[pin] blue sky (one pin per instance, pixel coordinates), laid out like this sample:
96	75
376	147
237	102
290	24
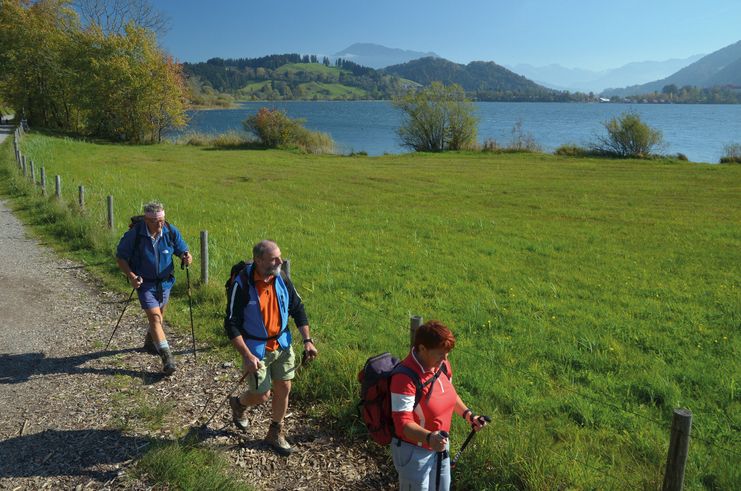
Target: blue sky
592	34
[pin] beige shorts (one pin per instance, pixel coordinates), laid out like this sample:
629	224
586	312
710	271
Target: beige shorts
276	365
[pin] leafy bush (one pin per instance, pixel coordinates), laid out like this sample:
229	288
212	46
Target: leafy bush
731	154
275	129
628	137
438	118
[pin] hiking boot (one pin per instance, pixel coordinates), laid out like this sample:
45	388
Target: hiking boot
277	440
168	361
149	345
238	413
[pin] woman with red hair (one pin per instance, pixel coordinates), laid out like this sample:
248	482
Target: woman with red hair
423	410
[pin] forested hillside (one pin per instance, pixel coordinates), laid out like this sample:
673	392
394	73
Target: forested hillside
292	76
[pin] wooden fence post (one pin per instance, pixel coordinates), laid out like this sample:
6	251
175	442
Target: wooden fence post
23	159
43	181
58	186
109	201
678	445
33	172
81	197
414	322
204	256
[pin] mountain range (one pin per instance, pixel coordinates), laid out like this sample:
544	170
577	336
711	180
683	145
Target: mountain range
720	68
578	79
377	56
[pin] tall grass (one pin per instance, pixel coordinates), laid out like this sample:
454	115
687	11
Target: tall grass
589	297
188	468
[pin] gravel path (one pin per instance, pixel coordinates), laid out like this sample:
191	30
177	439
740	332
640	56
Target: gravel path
73	416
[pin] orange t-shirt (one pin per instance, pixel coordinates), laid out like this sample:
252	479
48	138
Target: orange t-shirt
268	307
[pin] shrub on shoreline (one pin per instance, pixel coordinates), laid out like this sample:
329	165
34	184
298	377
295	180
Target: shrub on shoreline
628	137
731	154
275	129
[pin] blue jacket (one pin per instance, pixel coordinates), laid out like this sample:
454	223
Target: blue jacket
243	316
135	247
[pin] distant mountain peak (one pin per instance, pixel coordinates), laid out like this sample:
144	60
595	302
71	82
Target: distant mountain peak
378	56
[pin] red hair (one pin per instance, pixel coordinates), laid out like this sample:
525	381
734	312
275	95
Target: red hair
434	335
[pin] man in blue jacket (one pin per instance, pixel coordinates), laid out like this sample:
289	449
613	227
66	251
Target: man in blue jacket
260	300
145	255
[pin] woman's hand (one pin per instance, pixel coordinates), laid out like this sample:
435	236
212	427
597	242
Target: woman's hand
479	421
437	441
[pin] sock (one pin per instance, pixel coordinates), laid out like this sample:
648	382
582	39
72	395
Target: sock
162	345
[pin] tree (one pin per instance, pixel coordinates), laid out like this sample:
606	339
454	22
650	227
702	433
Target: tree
437	118
628	136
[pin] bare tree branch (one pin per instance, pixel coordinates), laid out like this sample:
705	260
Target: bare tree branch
113	15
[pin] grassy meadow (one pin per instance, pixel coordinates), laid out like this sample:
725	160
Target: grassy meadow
589	297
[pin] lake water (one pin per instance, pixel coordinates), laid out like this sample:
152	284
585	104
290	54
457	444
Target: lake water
699	131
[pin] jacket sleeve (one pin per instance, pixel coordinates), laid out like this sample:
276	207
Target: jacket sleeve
234	311
403	393
125	249
296	305
179	247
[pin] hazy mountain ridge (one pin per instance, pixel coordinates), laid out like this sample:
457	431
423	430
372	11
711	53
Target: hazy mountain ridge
722	67
377	56
578	79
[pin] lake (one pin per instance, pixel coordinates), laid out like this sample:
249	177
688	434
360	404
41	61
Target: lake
699	131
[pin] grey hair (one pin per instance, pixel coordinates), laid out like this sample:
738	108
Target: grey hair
262	247
153	207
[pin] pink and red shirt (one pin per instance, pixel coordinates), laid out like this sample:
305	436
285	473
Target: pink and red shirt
434	414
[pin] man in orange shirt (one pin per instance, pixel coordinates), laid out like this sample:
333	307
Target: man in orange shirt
260	300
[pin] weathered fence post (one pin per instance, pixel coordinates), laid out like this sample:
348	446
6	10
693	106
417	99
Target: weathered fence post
58	186
23	159
414	322
43	181
81	197
33	172
678	445
204	256
109	201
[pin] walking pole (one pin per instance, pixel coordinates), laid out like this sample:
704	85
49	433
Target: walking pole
465	443
190	303
239	382
119	318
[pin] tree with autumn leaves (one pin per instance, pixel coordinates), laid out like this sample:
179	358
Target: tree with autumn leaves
57	74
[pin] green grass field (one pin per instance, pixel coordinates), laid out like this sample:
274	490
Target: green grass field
589	297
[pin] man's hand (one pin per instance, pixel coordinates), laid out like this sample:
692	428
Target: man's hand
136	281
250	363
310	350
187	258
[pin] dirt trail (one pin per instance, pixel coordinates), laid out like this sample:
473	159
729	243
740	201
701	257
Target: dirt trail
73	416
